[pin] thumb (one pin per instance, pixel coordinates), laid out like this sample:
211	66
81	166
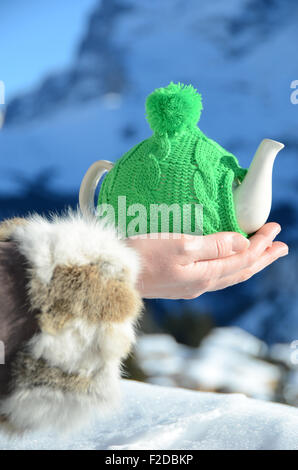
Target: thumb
216	245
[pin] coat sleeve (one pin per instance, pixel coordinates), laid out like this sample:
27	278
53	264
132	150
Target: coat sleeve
69	308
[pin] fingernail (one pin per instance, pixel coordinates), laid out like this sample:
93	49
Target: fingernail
240	243
284	252
277	231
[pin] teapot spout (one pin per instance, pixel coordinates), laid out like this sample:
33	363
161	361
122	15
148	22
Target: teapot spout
253	197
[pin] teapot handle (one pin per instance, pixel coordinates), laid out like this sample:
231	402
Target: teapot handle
89	184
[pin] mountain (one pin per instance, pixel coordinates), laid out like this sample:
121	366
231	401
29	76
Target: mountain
97	69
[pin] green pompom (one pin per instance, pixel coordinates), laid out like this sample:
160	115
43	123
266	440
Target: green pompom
174	108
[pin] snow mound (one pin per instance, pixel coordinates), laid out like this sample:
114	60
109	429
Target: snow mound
154	417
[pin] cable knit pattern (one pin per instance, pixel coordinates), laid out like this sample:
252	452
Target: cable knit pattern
181	167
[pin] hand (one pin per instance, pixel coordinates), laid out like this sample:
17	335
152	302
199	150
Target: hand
186	267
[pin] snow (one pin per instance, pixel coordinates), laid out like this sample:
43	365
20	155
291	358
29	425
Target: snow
156	346
154	417
236	339
228	359
218	369
291	388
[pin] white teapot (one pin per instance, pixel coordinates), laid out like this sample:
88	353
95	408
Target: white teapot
252	198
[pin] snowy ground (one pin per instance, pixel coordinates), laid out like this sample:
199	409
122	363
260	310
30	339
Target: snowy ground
229	359
153	417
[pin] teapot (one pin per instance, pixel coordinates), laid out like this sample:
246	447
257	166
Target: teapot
180	165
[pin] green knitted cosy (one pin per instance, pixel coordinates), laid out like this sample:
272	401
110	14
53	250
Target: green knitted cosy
178	164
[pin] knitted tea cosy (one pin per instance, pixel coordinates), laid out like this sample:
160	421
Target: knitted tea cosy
178	164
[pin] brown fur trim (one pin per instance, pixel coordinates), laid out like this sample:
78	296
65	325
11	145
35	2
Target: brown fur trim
8	427
7	226
83	292
55	307
29	373
120	301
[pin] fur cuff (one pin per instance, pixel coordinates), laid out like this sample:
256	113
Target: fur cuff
81	281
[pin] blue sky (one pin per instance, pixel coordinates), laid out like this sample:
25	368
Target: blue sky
38	37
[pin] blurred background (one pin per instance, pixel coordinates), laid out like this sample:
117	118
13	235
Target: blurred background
75	76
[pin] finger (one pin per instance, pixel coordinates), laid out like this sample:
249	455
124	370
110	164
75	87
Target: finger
232	264
217	245
267	232
270	255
